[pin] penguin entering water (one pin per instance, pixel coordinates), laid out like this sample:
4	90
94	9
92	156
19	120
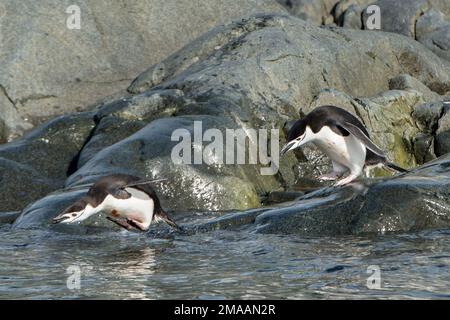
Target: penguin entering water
343	138
130	201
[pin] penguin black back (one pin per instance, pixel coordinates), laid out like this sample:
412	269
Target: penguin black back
331	116
112	183
326	116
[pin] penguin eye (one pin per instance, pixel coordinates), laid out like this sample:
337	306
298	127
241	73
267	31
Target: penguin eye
76	208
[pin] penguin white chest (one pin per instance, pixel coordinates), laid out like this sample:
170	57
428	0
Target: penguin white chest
138	207
345	150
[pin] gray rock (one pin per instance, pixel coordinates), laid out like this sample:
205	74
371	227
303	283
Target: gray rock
8	217
399	16
39	162
49	69
2	132
351	18
423	144
282	196
350	8
119	119
406	82
22	184
433	29
429	22
434	118
331	96
428	115
330	62
389	117
314	11
50	148
439	42
443	133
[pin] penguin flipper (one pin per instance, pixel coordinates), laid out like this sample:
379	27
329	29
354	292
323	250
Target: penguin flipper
143	182
162	216
395	167
358	133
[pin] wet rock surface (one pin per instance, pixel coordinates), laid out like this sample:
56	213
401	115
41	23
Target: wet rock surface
39	162
414	201
9	217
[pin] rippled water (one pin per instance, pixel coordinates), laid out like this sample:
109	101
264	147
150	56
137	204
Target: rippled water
222	264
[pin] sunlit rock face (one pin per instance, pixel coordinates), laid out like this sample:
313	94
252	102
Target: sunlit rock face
62	56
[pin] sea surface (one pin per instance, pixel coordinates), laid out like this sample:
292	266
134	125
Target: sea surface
43	264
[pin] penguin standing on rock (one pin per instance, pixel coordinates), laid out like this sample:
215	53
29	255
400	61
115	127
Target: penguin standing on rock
130	201
343	138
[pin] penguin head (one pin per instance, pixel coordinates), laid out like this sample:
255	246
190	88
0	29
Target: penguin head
79	211
298	135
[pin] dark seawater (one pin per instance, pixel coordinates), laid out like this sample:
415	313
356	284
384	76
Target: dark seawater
222	265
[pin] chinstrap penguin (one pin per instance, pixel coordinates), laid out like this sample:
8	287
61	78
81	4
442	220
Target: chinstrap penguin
343	138
130	202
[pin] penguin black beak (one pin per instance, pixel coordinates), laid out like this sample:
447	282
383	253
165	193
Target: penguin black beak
287	147
59	218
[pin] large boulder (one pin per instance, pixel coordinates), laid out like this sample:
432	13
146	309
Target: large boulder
206	186
434	119
49	69
433	30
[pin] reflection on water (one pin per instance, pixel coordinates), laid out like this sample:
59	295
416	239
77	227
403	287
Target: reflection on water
222	264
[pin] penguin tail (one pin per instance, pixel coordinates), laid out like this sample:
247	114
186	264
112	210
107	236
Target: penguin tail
163	216
395	167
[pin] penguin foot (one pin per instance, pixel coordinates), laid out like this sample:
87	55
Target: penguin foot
136	224
121	223
346	180
329	176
